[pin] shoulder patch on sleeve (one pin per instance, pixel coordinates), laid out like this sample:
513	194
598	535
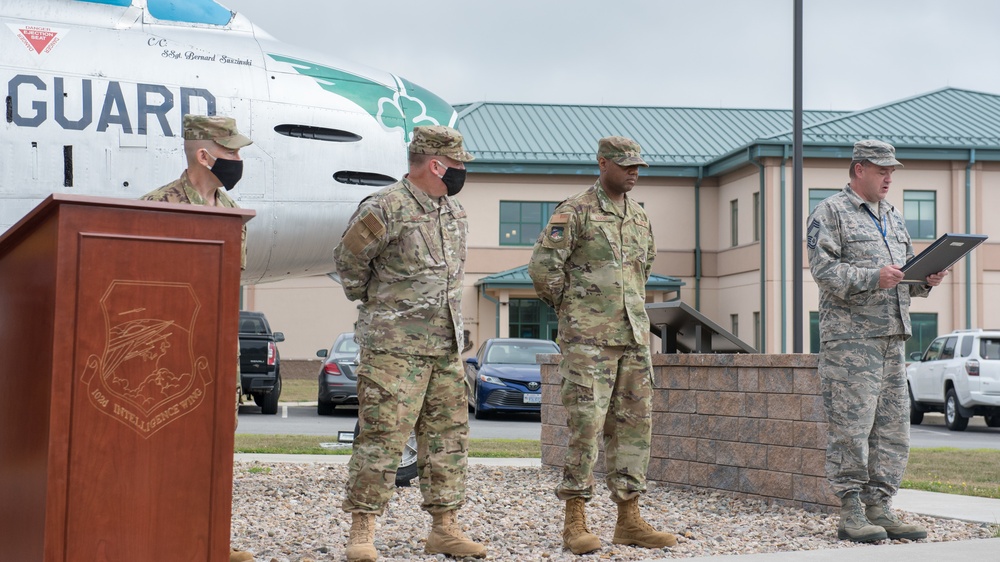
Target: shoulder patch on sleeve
561	218
812	235
374	224
363	232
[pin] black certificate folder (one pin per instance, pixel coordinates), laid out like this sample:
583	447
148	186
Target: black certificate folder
940	255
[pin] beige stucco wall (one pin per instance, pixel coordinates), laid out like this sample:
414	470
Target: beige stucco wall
738	267
990	292
739	187
989	205
668	201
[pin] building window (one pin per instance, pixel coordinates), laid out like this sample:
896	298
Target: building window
734	319
816	196
532	318
813	332
734	222
756	217
522	221
756	331
925	327
920	210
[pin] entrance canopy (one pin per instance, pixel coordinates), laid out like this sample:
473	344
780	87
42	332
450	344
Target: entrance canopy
683	329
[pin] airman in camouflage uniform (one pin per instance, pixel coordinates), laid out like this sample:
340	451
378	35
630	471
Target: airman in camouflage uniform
591	264
403	256
857	243
207	140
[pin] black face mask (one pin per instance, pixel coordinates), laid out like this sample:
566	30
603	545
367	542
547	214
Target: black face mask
228	172
454	179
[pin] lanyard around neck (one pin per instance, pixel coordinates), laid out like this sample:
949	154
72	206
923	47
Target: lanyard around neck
879	224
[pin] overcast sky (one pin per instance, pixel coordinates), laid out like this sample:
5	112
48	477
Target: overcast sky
686	53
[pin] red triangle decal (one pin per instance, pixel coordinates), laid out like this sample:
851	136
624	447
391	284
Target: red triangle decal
39	38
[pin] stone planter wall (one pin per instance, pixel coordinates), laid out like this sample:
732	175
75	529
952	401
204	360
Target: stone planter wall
747	425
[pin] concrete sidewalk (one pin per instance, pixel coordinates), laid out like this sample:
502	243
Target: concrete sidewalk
947	506
979	550
950	506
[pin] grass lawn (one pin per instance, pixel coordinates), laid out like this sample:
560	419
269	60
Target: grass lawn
299	390
974	472
310	445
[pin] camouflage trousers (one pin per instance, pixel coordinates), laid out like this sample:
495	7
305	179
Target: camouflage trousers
397	394
868	411
607	390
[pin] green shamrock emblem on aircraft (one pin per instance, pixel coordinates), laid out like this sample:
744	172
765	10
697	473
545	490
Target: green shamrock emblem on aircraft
404	107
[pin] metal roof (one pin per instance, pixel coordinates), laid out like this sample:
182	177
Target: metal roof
517	278
945	124
945	118
567	134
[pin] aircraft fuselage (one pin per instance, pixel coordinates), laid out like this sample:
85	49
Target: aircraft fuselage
95	92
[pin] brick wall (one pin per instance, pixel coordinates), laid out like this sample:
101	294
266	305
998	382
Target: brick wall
746	425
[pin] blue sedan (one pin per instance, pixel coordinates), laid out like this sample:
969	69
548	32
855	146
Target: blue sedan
504	376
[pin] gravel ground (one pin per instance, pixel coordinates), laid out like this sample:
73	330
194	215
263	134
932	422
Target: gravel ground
291	513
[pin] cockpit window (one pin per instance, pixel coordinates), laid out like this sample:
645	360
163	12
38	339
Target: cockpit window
110	2
189	11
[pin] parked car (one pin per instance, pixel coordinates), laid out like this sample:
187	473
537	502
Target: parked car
338	382
344	347
959	375
504	376
260	362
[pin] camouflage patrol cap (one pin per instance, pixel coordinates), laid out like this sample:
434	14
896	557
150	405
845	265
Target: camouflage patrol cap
877	152
216	128
620	150
439	140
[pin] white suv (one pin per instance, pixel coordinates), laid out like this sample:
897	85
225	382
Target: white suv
959	375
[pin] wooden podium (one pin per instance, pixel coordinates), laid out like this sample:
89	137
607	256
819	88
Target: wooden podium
118	319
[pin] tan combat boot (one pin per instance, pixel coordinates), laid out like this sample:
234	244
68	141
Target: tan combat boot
632	528
881	514
854	525
447	538
576	537
239	556
361	540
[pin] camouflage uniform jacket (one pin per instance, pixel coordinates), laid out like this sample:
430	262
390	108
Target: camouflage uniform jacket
182	191
846	251
591	264
403	256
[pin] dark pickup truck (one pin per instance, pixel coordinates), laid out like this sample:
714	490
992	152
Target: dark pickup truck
260	364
